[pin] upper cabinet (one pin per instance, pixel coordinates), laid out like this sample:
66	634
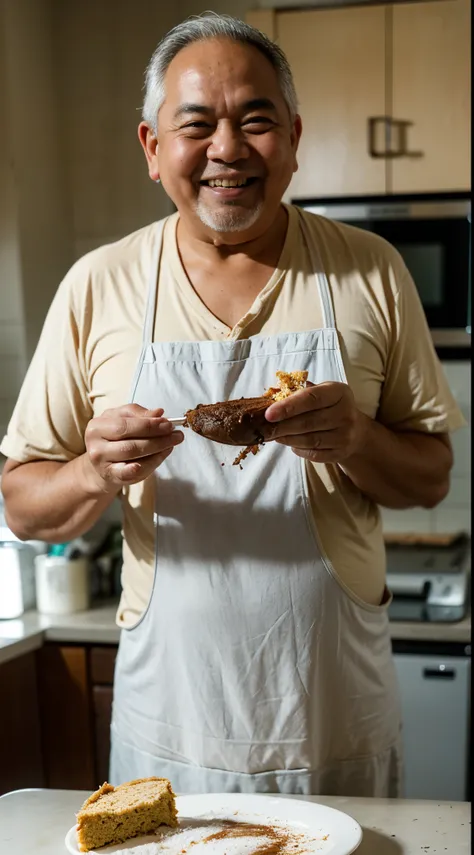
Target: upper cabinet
384	96
337	57
431	90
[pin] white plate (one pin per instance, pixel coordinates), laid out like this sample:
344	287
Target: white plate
313	828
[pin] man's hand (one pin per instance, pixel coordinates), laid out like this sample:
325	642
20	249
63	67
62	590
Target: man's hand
125	445
320	423
396	469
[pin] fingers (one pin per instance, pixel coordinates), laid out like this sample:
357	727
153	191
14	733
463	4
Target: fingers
134	449
131	410
324	440
317	456
319	397
121	427
313	422
126	444
136	470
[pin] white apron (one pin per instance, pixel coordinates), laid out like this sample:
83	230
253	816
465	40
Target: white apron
252	669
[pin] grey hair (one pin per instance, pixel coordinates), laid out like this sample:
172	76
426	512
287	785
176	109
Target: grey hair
210	25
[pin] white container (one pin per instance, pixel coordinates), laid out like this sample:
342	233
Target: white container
62	586
17	579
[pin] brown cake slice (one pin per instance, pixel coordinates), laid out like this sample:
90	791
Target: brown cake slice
242	421
116	814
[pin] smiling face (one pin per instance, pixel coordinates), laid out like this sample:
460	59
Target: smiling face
226	147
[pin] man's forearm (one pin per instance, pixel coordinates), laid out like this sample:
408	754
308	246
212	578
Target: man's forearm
400	470
54	502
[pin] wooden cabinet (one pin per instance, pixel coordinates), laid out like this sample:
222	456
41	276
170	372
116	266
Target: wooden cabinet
338	59
75	697
409	62
102	661
21	760
55	717
102	697
431	89
66	717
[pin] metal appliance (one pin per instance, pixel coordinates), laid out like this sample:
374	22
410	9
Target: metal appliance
432	232
430	581
434	680
429	577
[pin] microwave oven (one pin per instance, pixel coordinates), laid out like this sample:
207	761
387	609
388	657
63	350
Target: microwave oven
432	233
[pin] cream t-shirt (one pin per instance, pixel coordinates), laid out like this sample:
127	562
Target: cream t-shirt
91	341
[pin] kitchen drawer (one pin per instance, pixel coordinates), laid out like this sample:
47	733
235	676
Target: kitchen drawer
102	665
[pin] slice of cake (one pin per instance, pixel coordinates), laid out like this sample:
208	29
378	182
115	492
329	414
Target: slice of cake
116	814
242	421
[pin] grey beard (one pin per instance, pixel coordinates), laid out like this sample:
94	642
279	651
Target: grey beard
228	219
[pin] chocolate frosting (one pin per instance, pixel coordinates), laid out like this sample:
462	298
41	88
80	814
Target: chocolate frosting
238	422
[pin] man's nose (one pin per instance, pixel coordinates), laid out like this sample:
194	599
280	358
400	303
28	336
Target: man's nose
228	144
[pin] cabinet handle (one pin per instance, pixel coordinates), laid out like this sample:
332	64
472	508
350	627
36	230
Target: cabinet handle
373	123
402	126
439	673
401	149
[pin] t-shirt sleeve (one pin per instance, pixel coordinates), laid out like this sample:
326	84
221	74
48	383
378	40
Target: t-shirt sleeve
53	407
415	394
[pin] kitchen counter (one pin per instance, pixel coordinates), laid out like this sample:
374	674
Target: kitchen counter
29	632
35	822
97	626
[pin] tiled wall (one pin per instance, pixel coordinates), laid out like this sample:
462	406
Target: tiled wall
454	514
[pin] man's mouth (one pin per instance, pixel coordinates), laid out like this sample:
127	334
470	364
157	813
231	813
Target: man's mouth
227	182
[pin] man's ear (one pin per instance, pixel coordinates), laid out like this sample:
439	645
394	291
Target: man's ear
149	144
295	139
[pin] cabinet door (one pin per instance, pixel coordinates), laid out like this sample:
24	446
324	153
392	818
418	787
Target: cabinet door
338	61
102	698
21	762
66	717
431	88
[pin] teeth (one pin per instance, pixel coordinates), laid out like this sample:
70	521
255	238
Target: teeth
217	182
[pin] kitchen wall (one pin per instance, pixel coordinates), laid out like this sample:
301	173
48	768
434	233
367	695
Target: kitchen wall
34	234
73	175
72	172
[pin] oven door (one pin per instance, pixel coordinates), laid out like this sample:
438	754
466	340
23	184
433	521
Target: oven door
436	252
433	236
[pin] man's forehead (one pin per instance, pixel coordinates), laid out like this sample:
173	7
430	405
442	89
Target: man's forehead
205	64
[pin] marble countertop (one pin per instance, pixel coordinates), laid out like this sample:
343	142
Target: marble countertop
390	827
28	632
97	626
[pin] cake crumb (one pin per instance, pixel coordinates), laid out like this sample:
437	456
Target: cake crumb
290	382
250	449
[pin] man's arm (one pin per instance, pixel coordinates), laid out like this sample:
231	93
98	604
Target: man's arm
55	502
395	469
51	501
401	470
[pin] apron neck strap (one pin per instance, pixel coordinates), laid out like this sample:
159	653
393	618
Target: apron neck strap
321	278
148	327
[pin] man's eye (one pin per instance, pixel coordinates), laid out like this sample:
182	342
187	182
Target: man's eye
259	120
197	125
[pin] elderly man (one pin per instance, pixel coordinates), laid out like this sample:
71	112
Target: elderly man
255	652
